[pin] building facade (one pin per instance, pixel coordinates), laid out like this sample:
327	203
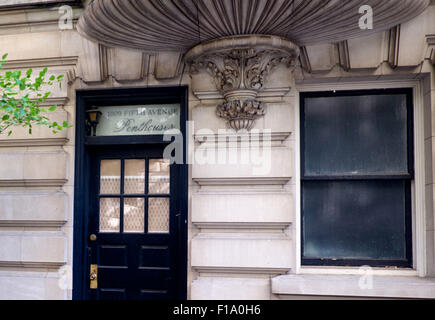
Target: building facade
303	146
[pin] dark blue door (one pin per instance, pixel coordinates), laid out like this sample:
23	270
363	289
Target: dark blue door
133	225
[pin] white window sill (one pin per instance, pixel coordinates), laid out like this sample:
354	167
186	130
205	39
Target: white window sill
403	287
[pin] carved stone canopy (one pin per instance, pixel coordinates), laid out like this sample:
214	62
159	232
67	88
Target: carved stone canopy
177	25
239	66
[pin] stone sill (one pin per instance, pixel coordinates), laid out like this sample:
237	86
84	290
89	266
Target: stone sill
400	287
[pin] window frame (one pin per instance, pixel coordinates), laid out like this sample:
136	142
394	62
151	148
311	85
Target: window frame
409	180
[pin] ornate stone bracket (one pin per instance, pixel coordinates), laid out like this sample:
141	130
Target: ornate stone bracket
239	66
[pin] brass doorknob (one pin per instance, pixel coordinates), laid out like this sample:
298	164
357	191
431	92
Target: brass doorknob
93	237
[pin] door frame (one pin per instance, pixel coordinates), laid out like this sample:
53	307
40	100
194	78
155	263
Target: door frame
123	96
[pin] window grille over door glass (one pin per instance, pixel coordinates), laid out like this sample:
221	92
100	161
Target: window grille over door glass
110	177
134	182
125	204
356	172
109	215
134	213
159	176
158	215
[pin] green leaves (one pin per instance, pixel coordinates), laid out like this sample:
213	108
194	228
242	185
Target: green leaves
21	99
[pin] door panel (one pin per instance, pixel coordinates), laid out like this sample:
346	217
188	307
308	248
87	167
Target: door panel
133	214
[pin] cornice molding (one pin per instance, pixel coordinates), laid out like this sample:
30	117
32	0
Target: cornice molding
40	142
257	226
31	265
35	183
273	181
59	101
41	63
241	270
215	138
32	223
264	93
36	19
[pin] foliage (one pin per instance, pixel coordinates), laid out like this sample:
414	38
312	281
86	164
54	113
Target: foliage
21	97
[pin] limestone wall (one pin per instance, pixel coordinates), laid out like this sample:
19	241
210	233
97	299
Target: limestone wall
243	229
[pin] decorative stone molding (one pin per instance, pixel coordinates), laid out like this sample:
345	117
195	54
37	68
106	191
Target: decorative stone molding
41	63
38	142
265	93
239	66
241	114
258	226
393	46
269	181
155	25
343	59
31	265
305	60
213	139
430	39
32	223
242	270
35	183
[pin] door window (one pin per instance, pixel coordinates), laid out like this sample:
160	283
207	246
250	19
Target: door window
135	192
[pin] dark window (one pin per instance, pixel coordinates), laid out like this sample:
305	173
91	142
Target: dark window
356	170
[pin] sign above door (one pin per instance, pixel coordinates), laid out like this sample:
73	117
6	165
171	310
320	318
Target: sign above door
134	120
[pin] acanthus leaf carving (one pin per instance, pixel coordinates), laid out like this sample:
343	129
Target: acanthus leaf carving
240	74
241	114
